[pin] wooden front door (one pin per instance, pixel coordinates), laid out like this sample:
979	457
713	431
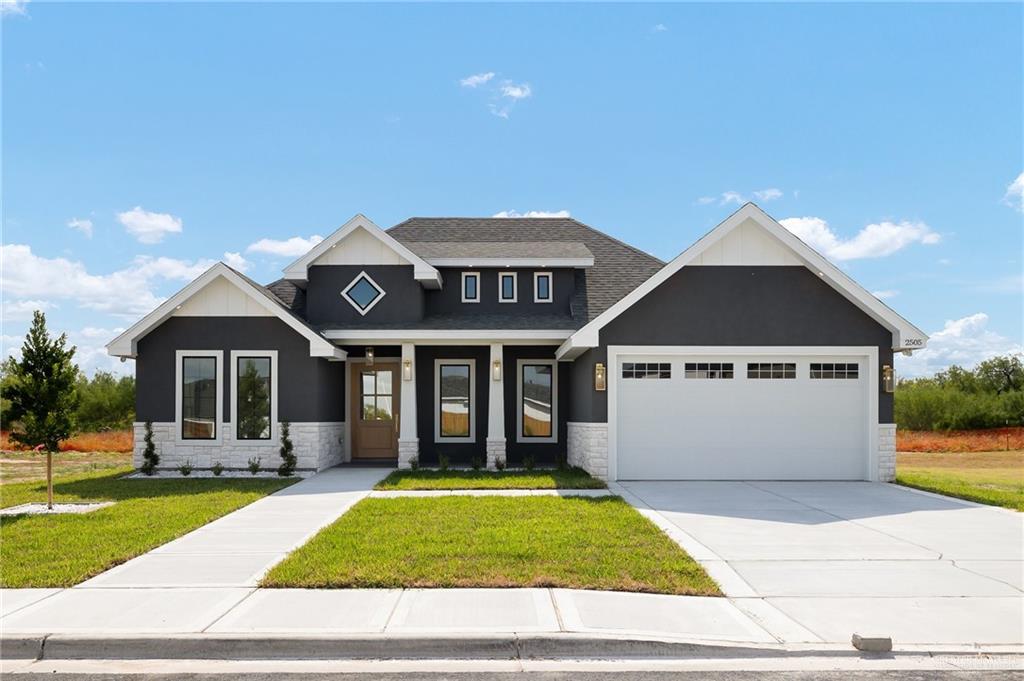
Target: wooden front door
375	400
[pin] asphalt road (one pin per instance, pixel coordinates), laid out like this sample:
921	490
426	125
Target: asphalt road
558	676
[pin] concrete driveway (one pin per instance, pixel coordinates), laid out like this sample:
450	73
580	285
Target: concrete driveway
845	557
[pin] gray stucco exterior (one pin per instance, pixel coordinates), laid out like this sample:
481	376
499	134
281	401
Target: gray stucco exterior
733	305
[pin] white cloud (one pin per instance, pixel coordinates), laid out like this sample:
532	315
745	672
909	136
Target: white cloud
126	292
1014	195
14	310
873	241
769	194
659	28
13	7
964	341
532	214
705	200
94	332
147	227
236	261
733	197
507	95
293	247
477	79
514	91
885	294
82	225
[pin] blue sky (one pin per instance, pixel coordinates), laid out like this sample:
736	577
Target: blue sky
143	141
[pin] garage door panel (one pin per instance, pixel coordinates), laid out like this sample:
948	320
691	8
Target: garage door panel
741	428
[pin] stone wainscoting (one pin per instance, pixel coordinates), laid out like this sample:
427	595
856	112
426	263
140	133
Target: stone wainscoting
588	448
317	445
886	452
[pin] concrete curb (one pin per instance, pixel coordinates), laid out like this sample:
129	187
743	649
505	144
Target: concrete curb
508	646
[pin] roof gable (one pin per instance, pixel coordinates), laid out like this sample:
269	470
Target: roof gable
748	237
360	242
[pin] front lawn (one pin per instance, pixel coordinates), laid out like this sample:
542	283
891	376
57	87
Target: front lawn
459	541
995	478
570	478
63	550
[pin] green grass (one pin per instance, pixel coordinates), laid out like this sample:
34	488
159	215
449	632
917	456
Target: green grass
63	550
997	487
458	541
570	478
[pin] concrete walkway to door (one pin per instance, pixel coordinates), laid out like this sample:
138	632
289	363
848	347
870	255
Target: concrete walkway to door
238	549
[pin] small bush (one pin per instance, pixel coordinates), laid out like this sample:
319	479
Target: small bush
288	459
151	458
529	461
414	463
499	464
254	465
476	463
217	468
442	462
186	468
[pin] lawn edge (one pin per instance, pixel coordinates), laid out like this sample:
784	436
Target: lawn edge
973	499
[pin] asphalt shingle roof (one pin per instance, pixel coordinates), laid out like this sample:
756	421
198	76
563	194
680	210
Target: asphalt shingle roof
498	249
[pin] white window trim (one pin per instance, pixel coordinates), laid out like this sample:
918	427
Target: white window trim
536	289
464	298
519	401
438	363
353	303
515	287
179	357
274	373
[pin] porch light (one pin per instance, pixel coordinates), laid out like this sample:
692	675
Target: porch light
496	370
369	356
600	378
888	379
406	369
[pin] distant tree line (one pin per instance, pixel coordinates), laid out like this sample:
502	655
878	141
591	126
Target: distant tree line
989	396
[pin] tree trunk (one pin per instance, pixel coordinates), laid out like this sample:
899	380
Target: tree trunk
49	480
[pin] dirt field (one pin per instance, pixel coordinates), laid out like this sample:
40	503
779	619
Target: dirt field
110	441
28	466
991	440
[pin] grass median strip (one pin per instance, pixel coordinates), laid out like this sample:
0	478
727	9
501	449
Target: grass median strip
570	478
63	550
576	542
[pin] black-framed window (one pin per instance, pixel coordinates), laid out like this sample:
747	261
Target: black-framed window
708	370
455	401
198	398
470	287
507	287
542	284
253	398
771	370
834	370
538	399
646	370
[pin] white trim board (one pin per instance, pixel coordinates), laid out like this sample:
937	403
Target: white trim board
440	337
272	441
423	272
869	352
126	345
905	336
523	439
351	301
179	356
438	438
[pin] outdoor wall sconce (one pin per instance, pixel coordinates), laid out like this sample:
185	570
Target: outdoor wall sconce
496	370
406	369
888	379
369	356
600	378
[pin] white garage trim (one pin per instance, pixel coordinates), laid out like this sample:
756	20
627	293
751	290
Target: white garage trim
869	352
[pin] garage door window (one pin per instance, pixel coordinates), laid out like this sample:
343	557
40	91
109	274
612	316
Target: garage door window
835	370
709	370
646	370
771	370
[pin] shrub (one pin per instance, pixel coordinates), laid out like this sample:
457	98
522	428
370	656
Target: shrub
529	461
442	462
414	463
499	464
186	468
476	463
150	458
254	465
288	459
217	468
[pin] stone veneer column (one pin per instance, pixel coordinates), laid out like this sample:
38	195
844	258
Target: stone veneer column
496	408
408	442
588	448
886	452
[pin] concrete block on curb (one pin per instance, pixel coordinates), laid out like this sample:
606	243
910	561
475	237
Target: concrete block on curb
872	645
21	647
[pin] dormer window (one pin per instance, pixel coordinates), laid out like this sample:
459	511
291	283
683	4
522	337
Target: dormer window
542	287
507	287
471	287
363	293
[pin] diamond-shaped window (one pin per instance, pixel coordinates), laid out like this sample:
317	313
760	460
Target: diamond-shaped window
363	293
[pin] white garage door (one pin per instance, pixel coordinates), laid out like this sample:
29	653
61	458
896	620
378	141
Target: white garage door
741	417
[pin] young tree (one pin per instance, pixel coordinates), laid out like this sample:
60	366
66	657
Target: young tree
288	459
42	395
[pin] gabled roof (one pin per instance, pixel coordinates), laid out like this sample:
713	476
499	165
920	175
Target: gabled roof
422	270
617	267
126	344
503	253
904	334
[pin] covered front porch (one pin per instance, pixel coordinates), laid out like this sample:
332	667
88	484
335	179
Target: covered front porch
482	404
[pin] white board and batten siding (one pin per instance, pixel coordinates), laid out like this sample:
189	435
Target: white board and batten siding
360	248
742	428
221	298
748	244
